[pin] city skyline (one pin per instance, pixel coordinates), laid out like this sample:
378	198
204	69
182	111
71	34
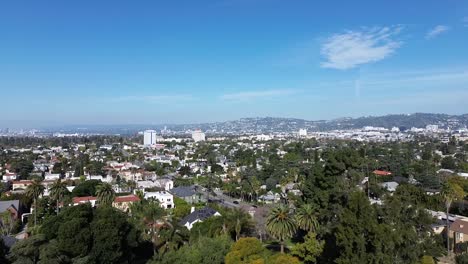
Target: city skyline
119	63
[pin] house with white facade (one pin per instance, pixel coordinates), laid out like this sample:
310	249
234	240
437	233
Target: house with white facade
165	199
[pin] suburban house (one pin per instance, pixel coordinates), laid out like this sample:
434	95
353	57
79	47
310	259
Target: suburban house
85	199
165	199
459	231
269	198
123	202
198	216
389	186
23	184
13	207
9	176
187	193
163	184
120	202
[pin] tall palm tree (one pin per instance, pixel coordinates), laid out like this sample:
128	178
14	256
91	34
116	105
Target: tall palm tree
153	217
450	193
280	224
172	236
33	191
58	190
105	194
305	218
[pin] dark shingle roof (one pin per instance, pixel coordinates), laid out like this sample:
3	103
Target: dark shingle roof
8	241
4	205
183	191
200	214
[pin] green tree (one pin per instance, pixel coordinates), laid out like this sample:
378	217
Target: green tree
33	191
113	237
450	192
27	251
105	194
86	188
305	218
281	225
246	250
58	190
310	249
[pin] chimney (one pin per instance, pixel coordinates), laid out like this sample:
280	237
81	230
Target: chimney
192	209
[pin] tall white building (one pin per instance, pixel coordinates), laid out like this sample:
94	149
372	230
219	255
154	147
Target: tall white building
149	137
302	132
198	135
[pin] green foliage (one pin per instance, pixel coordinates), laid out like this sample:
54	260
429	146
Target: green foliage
105	194
305	218
462	258
113	236
182	208
28	250
310	249
84	234
86	188
204	250
281	225
246	250
448	163
283	259
370	234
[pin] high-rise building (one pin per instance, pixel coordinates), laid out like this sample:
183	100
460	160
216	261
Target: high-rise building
149	137
302	132
198	135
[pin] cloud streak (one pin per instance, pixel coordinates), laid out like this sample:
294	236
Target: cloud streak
436	31
465	21
348	50
153	98
253	95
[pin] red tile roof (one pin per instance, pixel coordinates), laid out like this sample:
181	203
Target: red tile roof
459	226
83	199
127	198
382	173
22	182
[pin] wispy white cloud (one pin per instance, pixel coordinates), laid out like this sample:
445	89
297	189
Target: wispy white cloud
465	21
436	31
252	95
353	48
154	98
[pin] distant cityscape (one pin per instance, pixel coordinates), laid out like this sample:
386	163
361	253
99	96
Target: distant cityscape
384	128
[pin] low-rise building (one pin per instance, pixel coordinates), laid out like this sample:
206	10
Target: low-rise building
199	215
166	200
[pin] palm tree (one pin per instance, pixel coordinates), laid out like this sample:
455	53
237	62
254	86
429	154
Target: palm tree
153	217
172	237
57	191
235	221
280	224
450	193
105	194
33	191
305	218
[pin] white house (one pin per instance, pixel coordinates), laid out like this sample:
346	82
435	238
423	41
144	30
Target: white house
9	176
52	176
198	216
389	186
165	199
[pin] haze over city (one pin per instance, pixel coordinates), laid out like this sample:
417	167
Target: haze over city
111	62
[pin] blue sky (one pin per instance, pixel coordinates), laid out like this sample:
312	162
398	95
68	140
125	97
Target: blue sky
133	62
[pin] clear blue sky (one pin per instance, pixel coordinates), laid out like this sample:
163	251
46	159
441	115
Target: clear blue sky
127	62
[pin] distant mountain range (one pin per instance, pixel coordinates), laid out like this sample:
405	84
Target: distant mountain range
274	124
